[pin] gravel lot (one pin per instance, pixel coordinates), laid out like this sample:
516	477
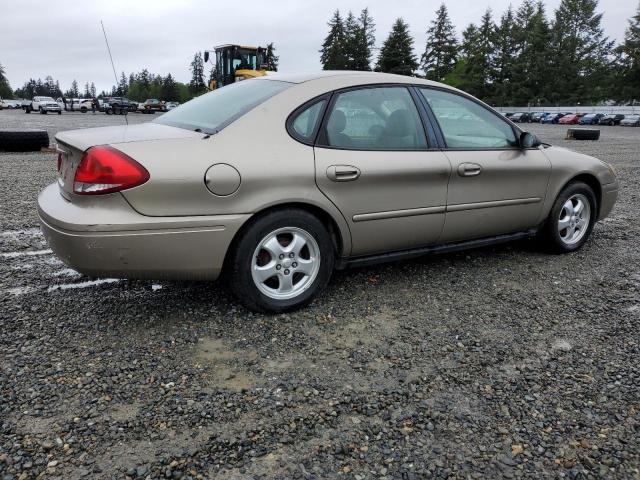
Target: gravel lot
499	362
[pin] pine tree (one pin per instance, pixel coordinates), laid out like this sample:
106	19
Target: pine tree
396	54
477	48
271	59
351	32
505	54
87	92
5	88
169	89
196	85
73	91
333	54
531	71
629	51
580	52
123	86
362	42
92	90
441	50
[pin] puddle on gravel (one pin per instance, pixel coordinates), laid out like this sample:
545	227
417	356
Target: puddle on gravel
224	364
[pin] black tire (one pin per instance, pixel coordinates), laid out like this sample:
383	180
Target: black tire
83	109
116	110
59	112
27	109
23	140
550	233
583	133
240	260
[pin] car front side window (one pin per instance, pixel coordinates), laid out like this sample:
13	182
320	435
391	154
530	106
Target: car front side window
466	124
379	118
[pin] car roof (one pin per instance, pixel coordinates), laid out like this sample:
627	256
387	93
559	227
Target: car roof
356	76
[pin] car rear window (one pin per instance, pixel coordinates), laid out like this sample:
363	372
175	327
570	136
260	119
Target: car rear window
213	111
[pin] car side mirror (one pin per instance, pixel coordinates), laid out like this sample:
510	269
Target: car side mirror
206	56
528	140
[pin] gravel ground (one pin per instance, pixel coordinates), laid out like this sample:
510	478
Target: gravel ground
499	362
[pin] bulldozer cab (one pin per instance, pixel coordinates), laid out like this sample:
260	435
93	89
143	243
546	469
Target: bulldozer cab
236	62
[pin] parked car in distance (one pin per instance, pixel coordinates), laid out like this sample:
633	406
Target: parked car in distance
43	105
571	119
538	116
171	105
9	104
152	105
552	118
591	119
611	119
521	117
118	105
630	121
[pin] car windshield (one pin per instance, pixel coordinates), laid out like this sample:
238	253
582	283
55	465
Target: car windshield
591	115
215	110
45	99
632	117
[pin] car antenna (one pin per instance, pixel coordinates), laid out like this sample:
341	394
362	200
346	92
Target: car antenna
112	65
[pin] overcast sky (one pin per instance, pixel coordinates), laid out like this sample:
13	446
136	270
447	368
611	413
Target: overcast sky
63	38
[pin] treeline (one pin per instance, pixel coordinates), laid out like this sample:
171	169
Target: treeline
521	58
143	85
51	88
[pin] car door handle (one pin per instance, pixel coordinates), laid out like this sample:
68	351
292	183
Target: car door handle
469	169
343	173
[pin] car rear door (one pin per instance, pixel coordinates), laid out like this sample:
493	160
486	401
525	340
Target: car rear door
373	161
496	187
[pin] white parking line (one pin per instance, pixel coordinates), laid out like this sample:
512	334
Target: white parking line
25	253
89	283
67	272
27	232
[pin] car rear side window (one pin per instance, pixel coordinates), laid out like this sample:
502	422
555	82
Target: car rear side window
379	118
215	110
467	124
303	126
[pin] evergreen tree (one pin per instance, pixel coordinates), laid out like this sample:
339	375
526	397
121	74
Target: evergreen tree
196	85
530	69
87	93
441	50
504	56
351	32
333	55
363	41
478	49
5	88
579	52
92	90
73	91
271	59
629	54
169	89
396	54
123	85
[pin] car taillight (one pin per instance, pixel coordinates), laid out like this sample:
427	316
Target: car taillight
106	170
59	161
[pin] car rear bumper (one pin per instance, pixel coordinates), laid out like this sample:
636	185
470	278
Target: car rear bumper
609	197
105	237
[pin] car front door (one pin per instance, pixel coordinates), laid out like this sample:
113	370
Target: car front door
374	163
496	187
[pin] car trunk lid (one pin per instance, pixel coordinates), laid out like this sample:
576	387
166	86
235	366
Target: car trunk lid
72	144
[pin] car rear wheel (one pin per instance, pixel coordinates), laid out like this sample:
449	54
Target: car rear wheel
571	219
282	261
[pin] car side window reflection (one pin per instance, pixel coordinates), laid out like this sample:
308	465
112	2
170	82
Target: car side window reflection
381	118
304	124
465	124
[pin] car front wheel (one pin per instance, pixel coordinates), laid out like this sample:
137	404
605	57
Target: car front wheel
282	261
571	219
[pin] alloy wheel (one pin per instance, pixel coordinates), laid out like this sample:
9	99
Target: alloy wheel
285	263
574	219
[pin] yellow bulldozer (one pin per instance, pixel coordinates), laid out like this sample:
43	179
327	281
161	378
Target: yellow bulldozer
235	63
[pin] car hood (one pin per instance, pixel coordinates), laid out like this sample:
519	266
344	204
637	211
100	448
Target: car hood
90	137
